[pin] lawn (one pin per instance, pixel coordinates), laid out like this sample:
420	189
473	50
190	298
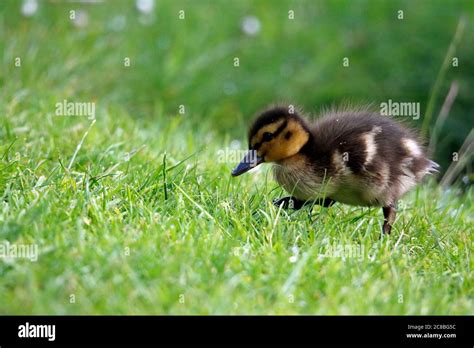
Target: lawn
135	212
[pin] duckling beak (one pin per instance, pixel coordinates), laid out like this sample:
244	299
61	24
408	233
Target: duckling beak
250	160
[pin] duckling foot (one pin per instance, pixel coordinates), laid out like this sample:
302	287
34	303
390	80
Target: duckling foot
289	203
389	214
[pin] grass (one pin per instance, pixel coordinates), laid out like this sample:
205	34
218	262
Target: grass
125	234
136	214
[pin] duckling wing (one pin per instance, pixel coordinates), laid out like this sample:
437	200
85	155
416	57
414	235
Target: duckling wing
371	159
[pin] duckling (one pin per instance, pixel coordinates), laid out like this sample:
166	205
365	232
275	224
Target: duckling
356	157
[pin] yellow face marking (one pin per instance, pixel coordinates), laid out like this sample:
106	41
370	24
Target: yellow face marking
270	128
288	142
296	162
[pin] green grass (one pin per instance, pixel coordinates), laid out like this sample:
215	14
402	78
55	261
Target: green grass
145	219
110	234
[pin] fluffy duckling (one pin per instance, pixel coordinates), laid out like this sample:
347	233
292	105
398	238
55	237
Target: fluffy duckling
356	157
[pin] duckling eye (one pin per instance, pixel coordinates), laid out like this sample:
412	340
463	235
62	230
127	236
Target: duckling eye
267	136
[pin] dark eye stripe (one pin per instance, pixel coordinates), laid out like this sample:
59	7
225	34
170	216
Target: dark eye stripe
267	136
280	129
275	134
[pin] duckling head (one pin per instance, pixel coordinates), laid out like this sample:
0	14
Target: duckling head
275	135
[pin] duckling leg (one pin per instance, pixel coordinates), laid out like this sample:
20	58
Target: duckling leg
297	204
389	214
